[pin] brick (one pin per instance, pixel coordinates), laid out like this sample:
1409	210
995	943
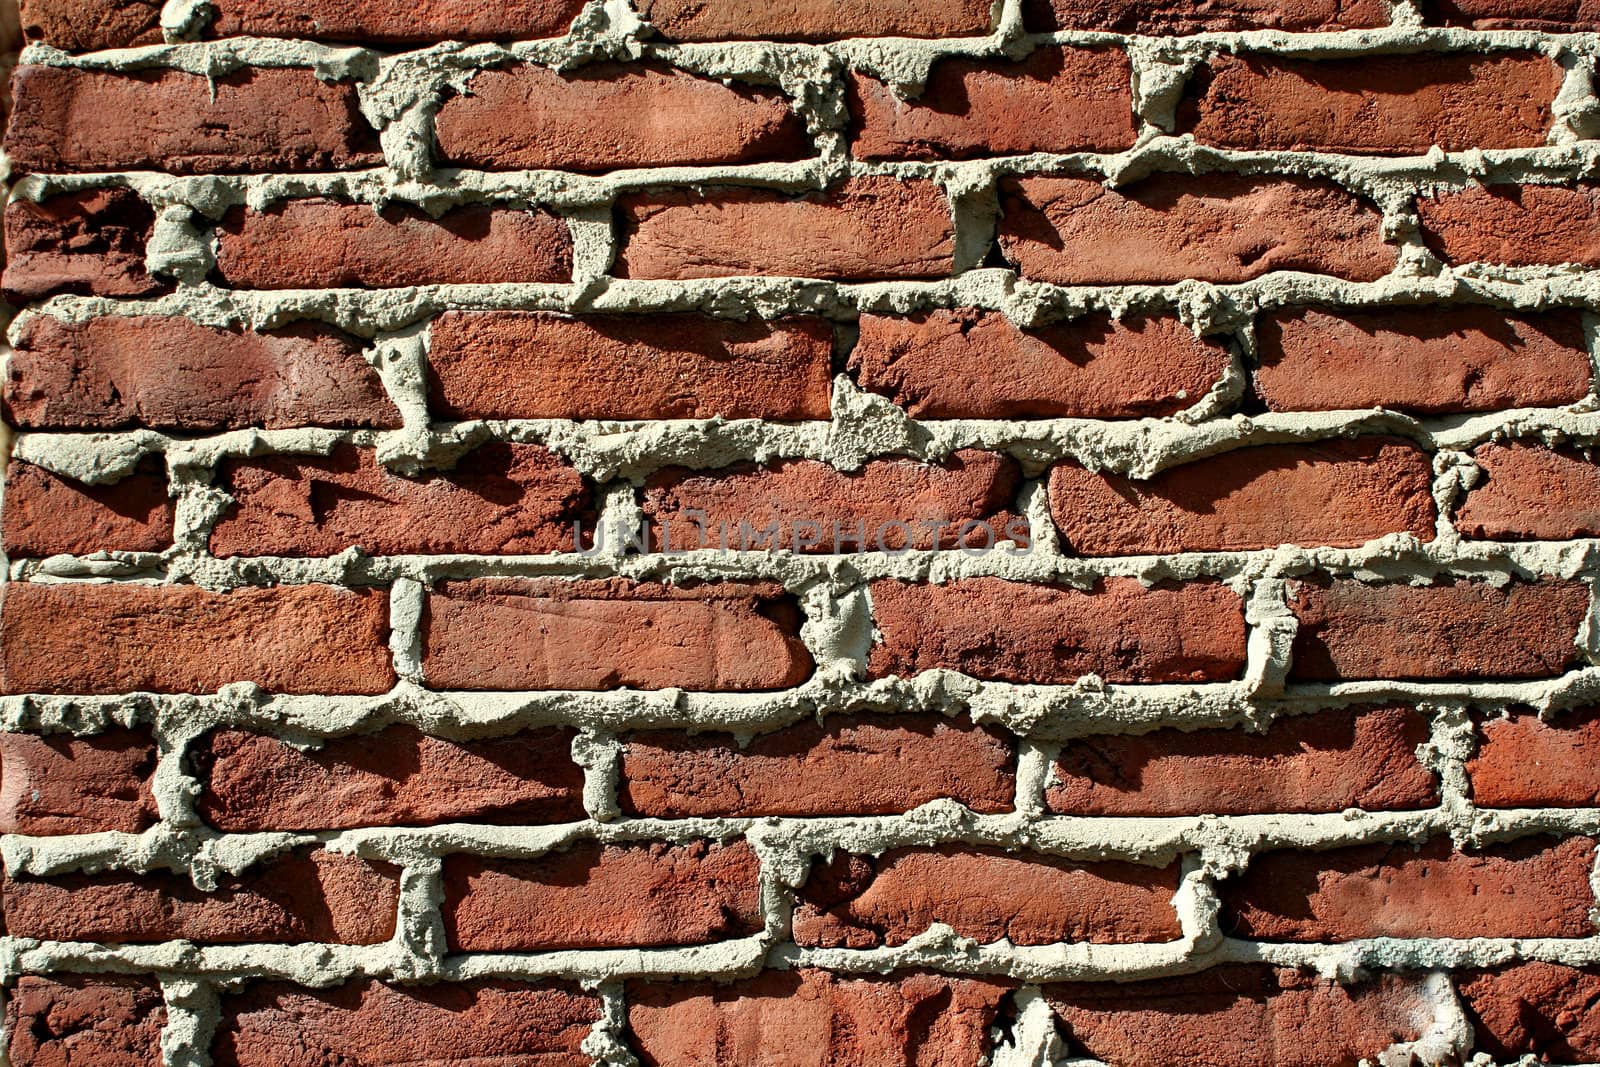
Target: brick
499	499
871	227
89	1020
603	896
1452	629
396	21
395	777
1029	899
1374	105
1530	493
890	504
1055	100
326	244
84	638
607	116
1524	761
1053	635
813	20
1420	360
275	1024
1516	225
600	634
90	25
541	365
169	373
1533	887
1243	1015
46	514
971	364
256	119
809	1017
1322	762
59	784
1342	493
1171	227
857	765
1542	1010
1551	16
90	242
1168	17
306	895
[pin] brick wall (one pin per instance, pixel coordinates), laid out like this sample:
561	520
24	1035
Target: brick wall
349	716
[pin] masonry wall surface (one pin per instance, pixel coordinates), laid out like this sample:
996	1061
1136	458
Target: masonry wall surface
722	533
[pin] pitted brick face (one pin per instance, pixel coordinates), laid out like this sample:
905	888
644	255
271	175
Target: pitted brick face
815	533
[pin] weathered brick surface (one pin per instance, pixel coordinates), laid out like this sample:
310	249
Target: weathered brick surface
323	244
92	242
554	634
605	896
865	901
499	499
394	21
1525	762
46	514
1556	16
60	784
113	1020
1339	493
307	895
1178	17
1168	227
1325	761
813	20
1515	225
1534	1009
1527	492
84	25
866	765
1534	887
1424	361
604	117
534	365
980	365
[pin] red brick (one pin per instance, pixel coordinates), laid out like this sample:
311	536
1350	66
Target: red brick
1166	17
1323	762
90	25
603	896
1170	227
396	21
813	20
540	365
170	373
499	499
307	895
90	242
46	514
889	504
256	119
813	1017
395	777
1553	16
325	244
1530	493
856	765
1374	105
607	116
85	1021
970	364
1242	1015
1049	634
1517	225
1534	887
1340	492
1542	1010
1420	360
60	784
1055	100
1452	629
274	1024
1028	899
1526	762
86	638
872	227
589	635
